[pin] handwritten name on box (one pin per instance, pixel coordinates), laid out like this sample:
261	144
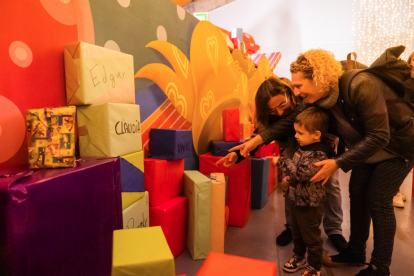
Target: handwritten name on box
96	75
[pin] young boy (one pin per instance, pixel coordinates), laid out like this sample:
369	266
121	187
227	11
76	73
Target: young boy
305	198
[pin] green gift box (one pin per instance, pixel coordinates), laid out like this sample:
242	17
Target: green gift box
197	188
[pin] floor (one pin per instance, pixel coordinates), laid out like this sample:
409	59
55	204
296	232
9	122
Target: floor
257	239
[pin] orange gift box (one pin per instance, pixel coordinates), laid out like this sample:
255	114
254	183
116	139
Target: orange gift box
218	264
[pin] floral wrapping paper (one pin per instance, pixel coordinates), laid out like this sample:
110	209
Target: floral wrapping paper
51	137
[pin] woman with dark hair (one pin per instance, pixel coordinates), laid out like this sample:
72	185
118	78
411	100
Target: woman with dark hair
275	100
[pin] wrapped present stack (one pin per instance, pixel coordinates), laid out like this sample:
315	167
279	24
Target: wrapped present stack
164	173
101	83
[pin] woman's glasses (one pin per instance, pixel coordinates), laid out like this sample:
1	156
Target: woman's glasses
280	107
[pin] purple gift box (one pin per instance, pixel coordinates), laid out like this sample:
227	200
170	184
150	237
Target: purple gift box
60	222
170	144
221	148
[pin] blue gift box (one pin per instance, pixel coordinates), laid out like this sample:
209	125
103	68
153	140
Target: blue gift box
260	181
170	144
221	148
132	172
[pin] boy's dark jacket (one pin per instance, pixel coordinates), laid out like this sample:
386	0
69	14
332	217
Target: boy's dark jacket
301	169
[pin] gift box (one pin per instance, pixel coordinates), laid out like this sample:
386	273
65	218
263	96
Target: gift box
109	129
237	33
273	174
172	217
231	125
163	179
239	186
260	181
197	188
221	148
227	215
245	130
170	144
136	215
236	43
132	172
266	150
242	47
218	212
60	221
142	251
51	137
218	264
97	75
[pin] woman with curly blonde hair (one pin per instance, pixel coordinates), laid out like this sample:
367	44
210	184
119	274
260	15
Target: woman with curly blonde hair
378	130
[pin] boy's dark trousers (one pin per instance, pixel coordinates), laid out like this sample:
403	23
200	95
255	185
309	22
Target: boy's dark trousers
306	232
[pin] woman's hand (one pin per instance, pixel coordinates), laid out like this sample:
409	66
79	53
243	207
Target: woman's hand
228	161
328	169
248	146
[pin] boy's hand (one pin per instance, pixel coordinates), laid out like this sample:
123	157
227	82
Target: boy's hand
228	161
328	169
286	181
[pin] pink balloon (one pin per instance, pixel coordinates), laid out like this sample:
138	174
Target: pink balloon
12	129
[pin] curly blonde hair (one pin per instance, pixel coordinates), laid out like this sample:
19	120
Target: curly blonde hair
320	66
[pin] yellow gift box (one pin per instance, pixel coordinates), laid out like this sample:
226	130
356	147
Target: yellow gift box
109	129
218	211
135	210
51	137
143	252
96	75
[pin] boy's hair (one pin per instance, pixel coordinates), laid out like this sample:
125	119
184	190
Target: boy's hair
313	119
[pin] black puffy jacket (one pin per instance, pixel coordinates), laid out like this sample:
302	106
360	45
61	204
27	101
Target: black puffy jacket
380	123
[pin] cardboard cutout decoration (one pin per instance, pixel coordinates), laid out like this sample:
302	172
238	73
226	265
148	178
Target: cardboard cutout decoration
243	64
251	46
262	73
177	84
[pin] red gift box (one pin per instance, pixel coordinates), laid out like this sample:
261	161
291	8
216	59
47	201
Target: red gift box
231	125
163	179
218	264
236	42
273	174
227	219
238	189
266	150
172	217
